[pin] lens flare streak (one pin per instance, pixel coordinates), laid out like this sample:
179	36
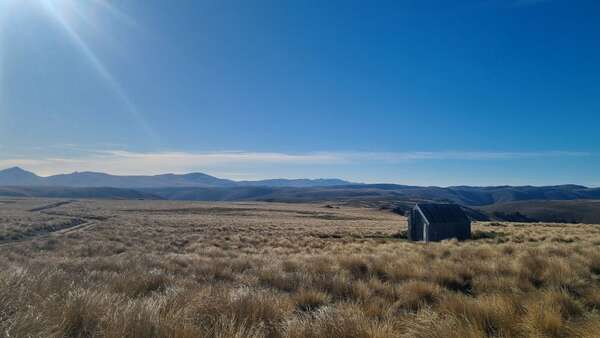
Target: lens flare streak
100	68
3	11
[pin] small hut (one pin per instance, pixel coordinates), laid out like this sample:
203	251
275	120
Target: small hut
435	222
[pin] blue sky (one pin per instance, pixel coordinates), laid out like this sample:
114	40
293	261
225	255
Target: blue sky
477	92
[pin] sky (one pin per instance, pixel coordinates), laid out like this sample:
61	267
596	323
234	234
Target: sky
465	92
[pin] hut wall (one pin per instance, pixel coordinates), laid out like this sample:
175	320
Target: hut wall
415	226
441	231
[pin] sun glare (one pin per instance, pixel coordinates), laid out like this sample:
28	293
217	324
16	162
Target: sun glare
80	20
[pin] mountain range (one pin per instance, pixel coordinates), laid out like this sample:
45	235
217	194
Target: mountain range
560	203
199	186
20	177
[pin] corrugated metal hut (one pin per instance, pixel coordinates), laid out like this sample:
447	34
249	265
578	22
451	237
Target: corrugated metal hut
436	222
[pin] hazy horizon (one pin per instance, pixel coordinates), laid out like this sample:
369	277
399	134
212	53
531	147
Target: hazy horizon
270	178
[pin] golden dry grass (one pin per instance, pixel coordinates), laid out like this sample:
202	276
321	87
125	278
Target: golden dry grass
176	269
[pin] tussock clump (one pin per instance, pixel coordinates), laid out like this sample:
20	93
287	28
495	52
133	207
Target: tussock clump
533	270
140	284
280	280
545	321
244	308
344	321
81	314
594	263
431	324
339	286
216	270
494	315
400	269
456	279
414	295
291	266
310	300
568	307
356	266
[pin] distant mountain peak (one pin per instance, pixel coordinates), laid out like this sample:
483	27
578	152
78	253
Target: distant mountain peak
18	176
17	171
14	169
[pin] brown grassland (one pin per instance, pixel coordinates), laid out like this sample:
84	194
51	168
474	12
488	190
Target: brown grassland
179	269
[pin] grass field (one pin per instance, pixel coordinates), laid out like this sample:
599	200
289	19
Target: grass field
178	269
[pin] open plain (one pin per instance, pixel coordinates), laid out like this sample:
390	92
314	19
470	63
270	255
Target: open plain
91	268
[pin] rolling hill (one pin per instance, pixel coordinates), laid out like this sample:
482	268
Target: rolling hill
62	192
469	196
572	211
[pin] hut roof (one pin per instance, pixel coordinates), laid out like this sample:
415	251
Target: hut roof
443	213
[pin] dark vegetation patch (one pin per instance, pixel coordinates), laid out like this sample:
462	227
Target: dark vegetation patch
513	217
328	236
193	211
42	230
86	216
554	211
7	202
331	217
480	234
400	235
50	206
247	212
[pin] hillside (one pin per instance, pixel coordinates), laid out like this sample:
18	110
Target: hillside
273	194
62	192
577	211
295	183
471	196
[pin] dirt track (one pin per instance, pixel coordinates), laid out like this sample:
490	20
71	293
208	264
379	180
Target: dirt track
51	206
87	224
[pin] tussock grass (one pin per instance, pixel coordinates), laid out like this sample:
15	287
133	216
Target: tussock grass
310	300
280	270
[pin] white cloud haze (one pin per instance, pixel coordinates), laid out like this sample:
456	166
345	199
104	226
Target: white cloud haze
220	163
